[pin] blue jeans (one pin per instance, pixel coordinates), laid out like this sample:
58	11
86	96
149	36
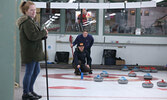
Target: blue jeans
31	73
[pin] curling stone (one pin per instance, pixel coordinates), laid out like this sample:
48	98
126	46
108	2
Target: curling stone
132	74
135	69
122	80
148	76
162	83
147	84
146	69
125	68
98	78
153	70
104	74
141	68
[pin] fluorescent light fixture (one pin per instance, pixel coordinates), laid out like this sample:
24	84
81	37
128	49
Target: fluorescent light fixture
71	1
158	1
113	14
125	1
64	5
119	5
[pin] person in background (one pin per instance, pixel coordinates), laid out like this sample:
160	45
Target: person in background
82	18
87	40
79	61
31	48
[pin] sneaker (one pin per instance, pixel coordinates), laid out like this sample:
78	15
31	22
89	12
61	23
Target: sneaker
28	96
36	95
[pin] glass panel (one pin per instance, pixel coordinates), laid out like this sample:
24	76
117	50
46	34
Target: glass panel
154	21
87	1
77	23
119	21
70	1
52	0
124	0
46	15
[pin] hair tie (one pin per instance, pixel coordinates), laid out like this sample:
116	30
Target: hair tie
23	3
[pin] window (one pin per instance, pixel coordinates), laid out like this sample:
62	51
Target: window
119	21
66	1
52	0
76	23
69	20
47	14
79	19
154	21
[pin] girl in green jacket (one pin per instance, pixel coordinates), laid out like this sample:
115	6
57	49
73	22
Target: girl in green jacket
31	48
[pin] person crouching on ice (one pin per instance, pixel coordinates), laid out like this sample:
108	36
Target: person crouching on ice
81	59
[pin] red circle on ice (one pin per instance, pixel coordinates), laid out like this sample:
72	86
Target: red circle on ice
66	87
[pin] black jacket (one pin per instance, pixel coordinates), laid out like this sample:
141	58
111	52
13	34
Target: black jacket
81	56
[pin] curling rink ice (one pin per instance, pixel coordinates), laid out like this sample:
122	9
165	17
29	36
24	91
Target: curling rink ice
64	85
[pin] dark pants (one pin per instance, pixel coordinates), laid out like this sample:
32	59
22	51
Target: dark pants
83	67
89	51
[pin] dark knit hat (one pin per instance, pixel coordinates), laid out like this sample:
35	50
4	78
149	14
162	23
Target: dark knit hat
80	44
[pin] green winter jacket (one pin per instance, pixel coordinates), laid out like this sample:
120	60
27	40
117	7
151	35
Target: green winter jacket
30	40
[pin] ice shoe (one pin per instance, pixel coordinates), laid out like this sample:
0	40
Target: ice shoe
36	95
29	96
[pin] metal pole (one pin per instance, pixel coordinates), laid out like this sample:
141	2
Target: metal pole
46	70
125	16
46	67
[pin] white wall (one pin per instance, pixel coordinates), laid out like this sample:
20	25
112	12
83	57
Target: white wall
141	50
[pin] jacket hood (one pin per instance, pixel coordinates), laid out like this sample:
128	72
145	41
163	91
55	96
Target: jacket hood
21	20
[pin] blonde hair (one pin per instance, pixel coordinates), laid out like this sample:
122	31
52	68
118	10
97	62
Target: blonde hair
24	6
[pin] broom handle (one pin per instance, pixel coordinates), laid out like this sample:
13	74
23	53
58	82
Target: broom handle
72	51
46	71
70	39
